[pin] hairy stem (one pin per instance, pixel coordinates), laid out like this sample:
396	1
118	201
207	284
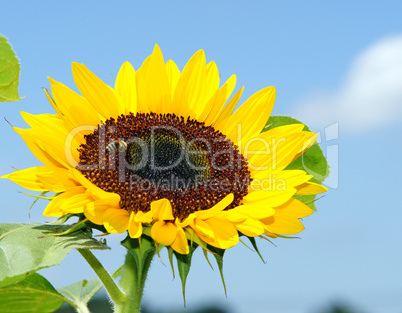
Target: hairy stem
113	290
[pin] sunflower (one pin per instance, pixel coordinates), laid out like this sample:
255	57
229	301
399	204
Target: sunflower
165	154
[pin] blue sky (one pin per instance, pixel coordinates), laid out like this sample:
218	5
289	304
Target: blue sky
331	62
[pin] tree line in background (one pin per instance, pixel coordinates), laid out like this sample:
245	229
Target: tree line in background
102	305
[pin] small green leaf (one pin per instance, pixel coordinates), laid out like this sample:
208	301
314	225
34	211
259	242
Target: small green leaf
9	72
27	248
218	254
183	266
32	295
82	291
312	161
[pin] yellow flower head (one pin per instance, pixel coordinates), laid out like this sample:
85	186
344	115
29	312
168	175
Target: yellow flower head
164	153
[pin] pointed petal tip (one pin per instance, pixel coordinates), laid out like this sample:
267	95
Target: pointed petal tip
200	54
51	80
127	65
75	66
157	49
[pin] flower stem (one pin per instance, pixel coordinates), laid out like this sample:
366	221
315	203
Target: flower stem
135	269
115	293
82	308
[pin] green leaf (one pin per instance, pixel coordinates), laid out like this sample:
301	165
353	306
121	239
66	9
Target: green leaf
312	161
27	248
82	291
9	72
281	120
32	295
183	266
218	254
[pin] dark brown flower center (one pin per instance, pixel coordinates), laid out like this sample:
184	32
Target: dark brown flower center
146	157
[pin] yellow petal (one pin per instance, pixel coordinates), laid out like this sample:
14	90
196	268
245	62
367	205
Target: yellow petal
285	221
143	217
202	229
255	211
221	205
251	117
250	227
116	220
57	179
162	210
270	198
294	208
153	86
212	81
265	143
310	188
98	94
112	199
37	150
141	107
283	225
225	234
54	208
164	232
50	134
76	204
217	102
283	151
211	92
235	217
28	178
125	86
189	95
180	244
173	74
94	210
74	109
227	111
134	227
277	180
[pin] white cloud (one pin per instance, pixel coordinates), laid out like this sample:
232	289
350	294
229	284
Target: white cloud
370	96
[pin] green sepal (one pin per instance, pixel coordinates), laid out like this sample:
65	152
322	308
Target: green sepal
170	254
267	239
28	248
34	294
63	219
142	250
134	273
183	266
89	224
253	242
205	251
9	72
80	225
312	161
41	196
218	254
